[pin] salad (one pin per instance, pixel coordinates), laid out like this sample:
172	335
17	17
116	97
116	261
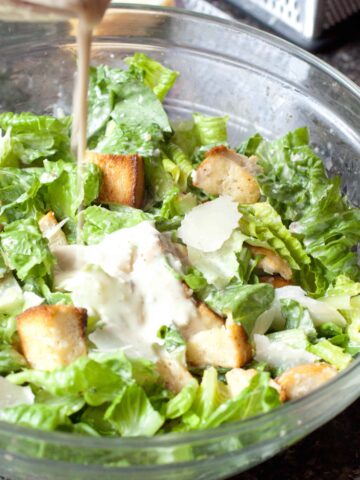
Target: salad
183	283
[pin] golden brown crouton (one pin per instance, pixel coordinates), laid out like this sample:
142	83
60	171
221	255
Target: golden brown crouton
205	320
226	346
303	379
238	379
52	335
122	178
276	282
50	229
225	172
174	373
272	262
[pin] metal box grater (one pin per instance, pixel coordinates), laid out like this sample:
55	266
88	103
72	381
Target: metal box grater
307	22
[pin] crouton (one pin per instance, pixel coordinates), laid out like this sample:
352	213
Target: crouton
205	320
226	346
225	172
272	262
238	379
303	379
52	336
51	229
276	282
122	178
174	373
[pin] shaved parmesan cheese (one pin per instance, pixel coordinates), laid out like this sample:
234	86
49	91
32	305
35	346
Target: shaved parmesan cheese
279	354
221	266
12	395
11	296
320	311
208	226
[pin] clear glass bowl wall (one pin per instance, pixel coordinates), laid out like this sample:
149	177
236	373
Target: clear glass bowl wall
263	84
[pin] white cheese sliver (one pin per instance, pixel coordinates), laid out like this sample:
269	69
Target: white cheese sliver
279	354
12	395
208	226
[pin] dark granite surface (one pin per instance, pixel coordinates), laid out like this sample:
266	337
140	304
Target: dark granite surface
333	451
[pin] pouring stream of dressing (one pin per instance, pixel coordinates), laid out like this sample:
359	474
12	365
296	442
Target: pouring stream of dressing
89	14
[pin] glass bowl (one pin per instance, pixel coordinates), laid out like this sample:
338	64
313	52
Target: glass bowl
264	84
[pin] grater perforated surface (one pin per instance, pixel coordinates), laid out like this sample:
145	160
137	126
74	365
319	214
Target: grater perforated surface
309	18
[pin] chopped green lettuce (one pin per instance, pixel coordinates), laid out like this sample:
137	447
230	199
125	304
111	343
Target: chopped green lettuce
157	77
258	397
132	414
121	96
332	354
10	360
244	302
182	402
210	130
263	224
297	316
34	138
25	250
99	221
93	381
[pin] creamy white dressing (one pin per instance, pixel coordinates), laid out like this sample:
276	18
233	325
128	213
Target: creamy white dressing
129	282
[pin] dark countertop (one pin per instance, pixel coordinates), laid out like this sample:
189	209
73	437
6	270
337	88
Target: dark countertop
333	451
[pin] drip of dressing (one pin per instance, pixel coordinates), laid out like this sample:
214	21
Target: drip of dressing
89	14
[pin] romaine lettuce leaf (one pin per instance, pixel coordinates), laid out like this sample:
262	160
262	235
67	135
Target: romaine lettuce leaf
292	174
19	190
123	97
331	354
210	130
182	402
132	414
36	137
63	194
94	417
249	146
211	393
25	249
261	222
297	316
258	397
42	416
329	233
10	360
122	139
99	221
175	204
86	378
244	302
157	77
8	156
177	156
296	184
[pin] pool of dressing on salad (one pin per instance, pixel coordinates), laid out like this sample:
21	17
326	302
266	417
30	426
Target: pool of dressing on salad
124	281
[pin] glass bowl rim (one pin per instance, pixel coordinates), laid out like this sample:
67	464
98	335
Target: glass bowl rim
180	438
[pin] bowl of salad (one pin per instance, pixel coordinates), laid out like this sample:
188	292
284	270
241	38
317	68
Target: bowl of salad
192	306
